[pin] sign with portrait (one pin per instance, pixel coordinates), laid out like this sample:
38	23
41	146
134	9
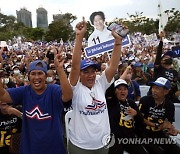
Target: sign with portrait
101	39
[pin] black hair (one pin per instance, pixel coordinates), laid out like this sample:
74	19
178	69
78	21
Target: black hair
92	16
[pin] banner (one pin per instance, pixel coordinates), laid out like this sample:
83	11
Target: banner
104	47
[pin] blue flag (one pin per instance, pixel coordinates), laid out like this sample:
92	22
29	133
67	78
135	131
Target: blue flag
176	51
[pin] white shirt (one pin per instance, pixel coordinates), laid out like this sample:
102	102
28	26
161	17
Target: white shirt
90	120
99	36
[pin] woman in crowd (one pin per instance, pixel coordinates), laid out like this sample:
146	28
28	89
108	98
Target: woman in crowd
123	114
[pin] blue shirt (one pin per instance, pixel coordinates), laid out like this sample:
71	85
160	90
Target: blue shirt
42	121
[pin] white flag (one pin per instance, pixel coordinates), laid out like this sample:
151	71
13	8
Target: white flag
163	17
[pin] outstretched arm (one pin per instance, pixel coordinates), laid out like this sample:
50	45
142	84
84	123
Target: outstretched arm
14	111
76	58
159	50
65	85
127	70
115	58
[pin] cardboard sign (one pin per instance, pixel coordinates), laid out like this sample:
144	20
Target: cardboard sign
104	47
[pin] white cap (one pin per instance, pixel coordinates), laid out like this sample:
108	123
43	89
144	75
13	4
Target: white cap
120	82
162	82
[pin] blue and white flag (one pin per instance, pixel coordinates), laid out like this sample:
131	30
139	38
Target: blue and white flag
176	51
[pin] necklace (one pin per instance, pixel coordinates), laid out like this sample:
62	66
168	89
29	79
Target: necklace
159	104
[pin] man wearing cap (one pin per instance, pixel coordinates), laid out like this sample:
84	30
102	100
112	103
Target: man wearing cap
158	114
42	108
123	115
90	121
163	68
138	74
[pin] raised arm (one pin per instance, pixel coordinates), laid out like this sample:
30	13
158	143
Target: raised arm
65	85
126	72
115	57
159	50
76	58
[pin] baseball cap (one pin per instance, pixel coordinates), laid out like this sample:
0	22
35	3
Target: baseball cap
87	63
120	82
169	53
162	82
38	65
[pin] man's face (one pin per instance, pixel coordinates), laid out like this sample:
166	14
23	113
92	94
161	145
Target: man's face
121	92
37	80
159	92
103	66
88	77
98	22
163	61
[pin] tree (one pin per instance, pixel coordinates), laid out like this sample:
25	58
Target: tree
140	23
173	20
37	34
61	29
90	29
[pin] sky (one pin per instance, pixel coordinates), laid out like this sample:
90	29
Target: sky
80	8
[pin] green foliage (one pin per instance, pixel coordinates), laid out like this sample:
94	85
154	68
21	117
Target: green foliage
140	23
173	20
61	29
90	29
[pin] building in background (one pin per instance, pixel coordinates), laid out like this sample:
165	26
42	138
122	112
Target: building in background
42	19
25	17
62	17
57	17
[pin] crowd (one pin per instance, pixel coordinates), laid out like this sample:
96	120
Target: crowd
44	78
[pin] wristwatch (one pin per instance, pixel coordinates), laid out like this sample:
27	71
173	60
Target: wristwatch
157	125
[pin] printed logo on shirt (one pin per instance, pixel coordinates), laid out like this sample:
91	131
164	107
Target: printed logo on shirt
155	115
95	108
6	124
36	113
169	75
96	104
125	119
5	137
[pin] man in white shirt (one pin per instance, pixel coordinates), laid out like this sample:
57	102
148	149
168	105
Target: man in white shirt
90	124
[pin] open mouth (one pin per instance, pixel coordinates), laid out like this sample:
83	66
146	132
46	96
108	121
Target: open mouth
37	83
